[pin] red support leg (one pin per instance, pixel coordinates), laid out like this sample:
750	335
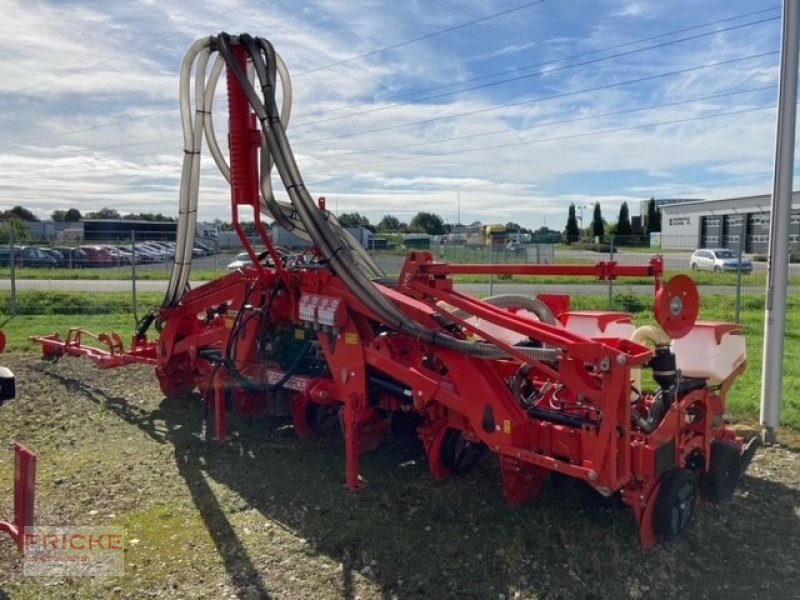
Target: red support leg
351	445
522	482
24	495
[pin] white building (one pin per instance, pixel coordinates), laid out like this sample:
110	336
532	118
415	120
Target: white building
727	223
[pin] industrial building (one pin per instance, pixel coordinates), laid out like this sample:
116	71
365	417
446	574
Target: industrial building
728	223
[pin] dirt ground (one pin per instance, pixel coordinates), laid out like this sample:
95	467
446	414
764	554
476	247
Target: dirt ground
266	515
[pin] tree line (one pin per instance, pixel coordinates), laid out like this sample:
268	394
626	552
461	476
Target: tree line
622	230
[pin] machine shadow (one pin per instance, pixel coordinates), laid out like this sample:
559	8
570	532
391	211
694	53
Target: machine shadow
417	538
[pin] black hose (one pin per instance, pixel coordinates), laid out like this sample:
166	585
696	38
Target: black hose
332	247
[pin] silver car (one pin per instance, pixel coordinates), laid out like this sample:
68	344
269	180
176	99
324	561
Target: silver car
718	259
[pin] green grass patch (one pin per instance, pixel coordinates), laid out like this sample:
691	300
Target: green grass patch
32	302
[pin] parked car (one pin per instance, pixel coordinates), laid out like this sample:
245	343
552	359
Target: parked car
73	258
718	259
59	258
27	256
147	254
240	260
97	256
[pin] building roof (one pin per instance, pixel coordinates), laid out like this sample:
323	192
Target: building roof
760	203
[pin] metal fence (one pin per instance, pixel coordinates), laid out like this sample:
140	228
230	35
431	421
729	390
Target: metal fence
130	275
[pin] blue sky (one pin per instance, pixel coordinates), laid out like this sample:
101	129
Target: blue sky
515	114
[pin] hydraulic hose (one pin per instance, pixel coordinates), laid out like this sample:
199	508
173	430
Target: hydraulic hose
345	256
534	305
333	248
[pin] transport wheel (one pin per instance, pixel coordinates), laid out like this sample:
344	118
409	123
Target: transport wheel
694	266
672	514
175	387
323	419
460	455
719	483
716	269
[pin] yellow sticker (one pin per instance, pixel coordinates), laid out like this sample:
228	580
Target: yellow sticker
299	334
506	426
351	338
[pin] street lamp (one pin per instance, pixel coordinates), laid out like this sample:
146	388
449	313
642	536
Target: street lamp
582	206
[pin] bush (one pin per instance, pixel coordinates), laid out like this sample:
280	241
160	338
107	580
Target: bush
601	247
631	303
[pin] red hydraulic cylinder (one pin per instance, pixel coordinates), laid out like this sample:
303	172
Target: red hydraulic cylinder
242	139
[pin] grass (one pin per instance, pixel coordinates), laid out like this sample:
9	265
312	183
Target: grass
266	515
46	312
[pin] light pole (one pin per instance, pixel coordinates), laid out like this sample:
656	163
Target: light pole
582	206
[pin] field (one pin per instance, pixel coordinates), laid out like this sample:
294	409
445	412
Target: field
267	515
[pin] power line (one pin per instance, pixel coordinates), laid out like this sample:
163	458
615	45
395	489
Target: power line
538	74
545	98
563	59
23	141
559	138
559	122
421	38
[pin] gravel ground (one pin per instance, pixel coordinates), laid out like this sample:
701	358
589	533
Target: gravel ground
266	515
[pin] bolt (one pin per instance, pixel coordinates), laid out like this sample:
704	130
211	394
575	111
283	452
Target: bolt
592	475
621	359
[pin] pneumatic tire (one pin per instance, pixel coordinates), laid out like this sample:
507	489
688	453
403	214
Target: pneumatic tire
675	504
719	483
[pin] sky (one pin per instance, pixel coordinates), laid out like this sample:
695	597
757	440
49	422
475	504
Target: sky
479	110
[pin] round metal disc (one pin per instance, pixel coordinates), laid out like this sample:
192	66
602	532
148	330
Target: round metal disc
677	306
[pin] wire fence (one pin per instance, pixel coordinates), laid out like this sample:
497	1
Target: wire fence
128	273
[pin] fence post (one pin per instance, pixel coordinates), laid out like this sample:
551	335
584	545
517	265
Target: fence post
739	280
12	262
133	275
611	281
491	262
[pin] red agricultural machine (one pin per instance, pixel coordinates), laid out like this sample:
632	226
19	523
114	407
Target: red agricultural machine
323	337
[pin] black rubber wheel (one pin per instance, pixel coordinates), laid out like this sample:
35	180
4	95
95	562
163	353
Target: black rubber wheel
694	266
675	504
323	419
460	455
719	483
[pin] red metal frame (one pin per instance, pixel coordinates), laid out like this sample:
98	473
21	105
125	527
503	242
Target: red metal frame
579	423
24	495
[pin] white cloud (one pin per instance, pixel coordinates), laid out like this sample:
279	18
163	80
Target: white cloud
113	132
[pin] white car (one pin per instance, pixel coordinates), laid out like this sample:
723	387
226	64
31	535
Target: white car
241	260
718	259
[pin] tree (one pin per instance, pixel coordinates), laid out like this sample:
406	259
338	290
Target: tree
158	217
58	215
355	220
653	219
624	229
573	231
73	215
389	223
512	227
18	212
14	229
598	227
103	213
425	222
